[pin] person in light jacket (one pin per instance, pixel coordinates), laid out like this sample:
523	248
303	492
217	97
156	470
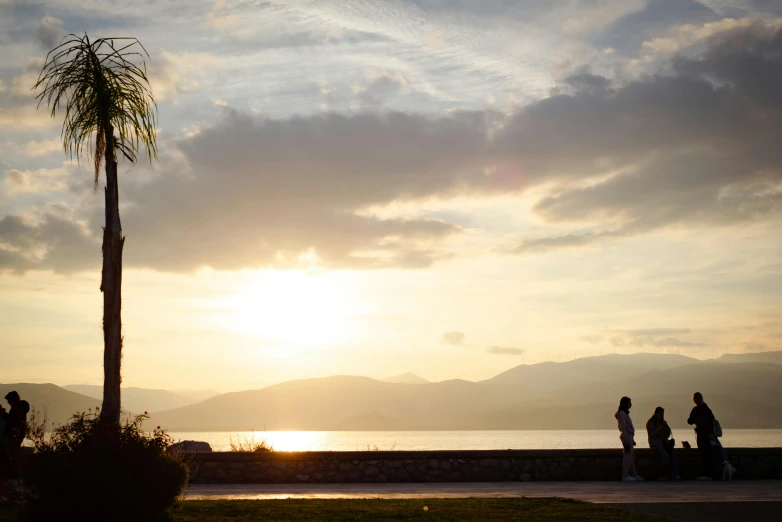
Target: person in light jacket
627	436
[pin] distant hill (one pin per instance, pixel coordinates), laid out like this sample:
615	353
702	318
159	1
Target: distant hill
59	404
732	414
406	378
738	394
333	403
762	357
325	403
196	395
580	394
137	399
532	380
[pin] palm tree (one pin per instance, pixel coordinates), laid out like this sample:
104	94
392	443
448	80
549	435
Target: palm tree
107	101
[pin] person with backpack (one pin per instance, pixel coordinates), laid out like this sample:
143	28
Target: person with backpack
703	419
627	436
14	432
659	434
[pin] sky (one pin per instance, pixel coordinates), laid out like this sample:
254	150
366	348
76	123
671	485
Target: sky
444	187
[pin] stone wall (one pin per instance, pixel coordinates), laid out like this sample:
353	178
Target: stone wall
457	466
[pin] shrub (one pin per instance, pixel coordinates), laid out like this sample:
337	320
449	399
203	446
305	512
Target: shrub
249	445
374	447
87	470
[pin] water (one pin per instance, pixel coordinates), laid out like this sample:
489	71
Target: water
463	440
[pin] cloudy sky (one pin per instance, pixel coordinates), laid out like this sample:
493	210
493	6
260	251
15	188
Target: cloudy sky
448	187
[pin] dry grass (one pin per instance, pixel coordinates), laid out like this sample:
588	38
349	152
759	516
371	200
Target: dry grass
374	447
249	444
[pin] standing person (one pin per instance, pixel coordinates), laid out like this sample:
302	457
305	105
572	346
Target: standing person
2	425
14	432
703	419
627	436
659	434
4	461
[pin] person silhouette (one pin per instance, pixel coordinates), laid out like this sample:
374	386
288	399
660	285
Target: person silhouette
14	432
627	436
703	419
659	433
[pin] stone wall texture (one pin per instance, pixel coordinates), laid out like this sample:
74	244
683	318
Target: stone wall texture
457	466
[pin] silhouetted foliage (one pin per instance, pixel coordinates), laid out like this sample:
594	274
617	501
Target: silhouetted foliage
249	444
101	87
87	470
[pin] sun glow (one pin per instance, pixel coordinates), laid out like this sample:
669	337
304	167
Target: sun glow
293	306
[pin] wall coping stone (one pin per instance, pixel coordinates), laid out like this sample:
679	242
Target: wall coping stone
453	454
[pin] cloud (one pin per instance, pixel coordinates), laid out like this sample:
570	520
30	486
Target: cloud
453	338
631	30
669	342
618	341
22	84
34	149
175	74
279	28
32	181
500	350
381	86
49	32
52	243
653	332
683	36
247	195
591	339
694	147
25	117
654	338
243	194
545	244
755	347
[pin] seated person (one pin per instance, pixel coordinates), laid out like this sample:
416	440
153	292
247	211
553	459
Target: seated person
659	434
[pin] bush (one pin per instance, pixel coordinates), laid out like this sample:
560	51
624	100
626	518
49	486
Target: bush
87	470
249	445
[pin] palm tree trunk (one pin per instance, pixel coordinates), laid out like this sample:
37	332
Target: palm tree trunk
111	286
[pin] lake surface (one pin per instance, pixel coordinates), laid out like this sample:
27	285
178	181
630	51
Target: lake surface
463	440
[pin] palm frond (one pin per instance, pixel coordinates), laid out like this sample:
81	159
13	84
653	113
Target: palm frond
100	86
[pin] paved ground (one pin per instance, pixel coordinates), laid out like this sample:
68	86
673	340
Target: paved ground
712	511
685	501
598	492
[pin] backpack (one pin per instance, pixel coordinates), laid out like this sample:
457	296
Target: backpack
717	428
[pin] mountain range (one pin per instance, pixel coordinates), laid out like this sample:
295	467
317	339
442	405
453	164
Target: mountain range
744	390
58	404
406	378
579	394
144	399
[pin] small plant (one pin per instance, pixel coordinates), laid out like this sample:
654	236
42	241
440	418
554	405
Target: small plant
374	447
249	445
38	426
88	469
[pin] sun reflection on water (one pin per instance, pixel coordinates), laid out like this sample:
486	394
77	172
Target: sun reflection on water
291	440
